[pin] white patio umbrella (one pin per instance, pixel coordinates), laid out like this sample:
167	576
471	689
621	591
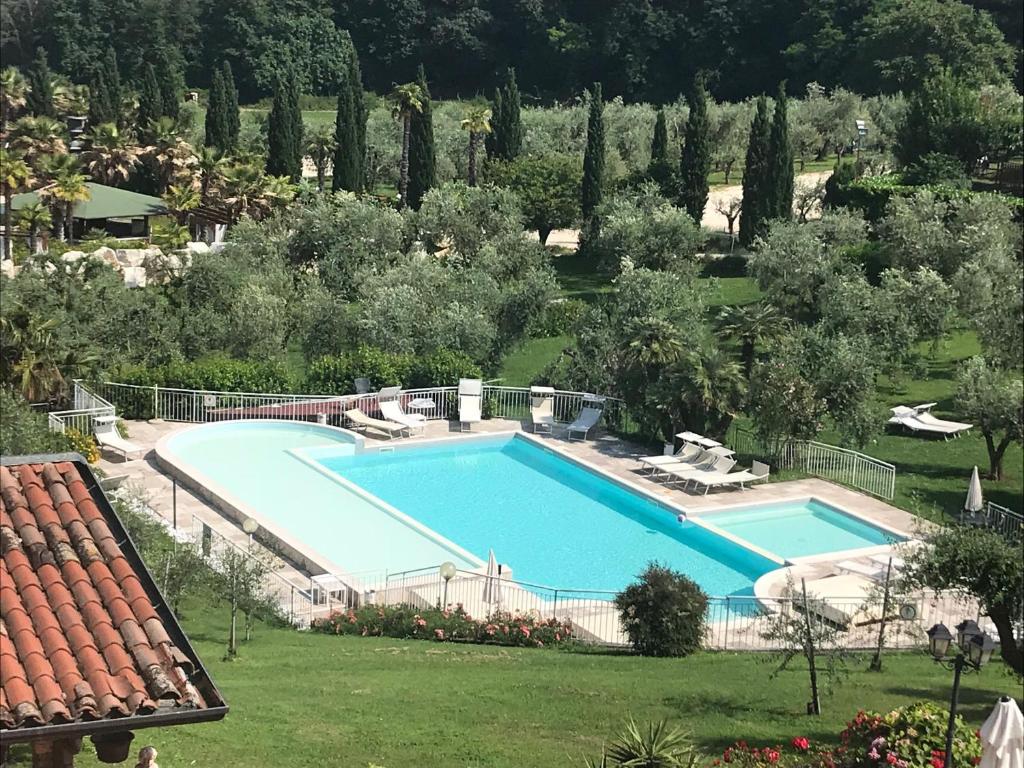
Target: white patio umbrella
974	502
492	584
1002	736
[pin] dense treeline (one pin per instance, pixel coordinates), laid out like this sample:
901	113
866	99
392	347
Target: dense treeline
645	50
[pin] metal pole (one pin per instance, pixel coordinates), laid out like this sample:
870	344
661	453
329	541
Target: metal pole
554	609
174	504
958	665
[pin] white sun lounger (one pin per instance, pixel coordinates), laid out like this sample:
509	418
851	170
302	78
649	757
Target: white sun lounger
758	471
470	400
688	453
360	421
542	408
587	418
705	461
842	600
916	421
391	409
693	437
717	466
105	430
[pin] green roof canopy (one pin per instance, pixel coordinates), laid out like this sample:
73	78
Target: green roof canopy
104	203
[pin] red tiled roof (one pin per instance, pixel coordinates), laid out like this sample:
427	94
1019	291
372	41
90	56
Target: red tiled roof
81	638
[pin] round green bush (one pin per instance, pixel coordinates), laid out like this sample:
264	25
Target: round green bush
664	613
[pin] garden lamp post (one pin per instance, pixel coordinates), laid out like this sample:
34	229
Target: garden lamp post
862	131
250	526
447	571
974	649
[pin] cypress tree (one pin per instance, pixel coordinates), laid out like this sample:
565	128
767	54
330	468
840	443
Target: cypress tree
695	161
100	109
346	165
780	154
172	86
216	114
659	144
283	159
512	126
232	118
422	159
151	104
359	109
112	80
754	213
40	81
298	129
593	158
492	141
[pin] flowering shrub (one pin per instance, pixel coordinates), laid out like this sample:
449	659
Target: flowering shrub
451	625
83	444
909	737
798	753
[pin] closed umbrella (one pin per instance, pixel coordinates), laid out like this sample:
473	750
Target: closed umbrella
492	584
974	502
1002	736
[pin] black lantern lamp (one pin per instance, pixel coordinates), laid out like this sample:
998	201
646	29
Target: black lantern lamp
939	639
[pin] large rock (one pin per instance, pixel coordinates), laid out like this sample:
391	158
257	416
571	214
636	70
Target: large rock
107	256
7	267
136	257
197	247
70	257
135	277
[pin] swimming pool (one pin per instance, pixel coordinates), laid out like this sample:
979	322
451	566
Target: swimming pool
800	528
553	520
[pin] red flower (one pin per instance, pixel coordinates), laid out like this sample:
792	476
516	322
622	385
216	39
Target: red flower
938	760
801	743
890	758
772	755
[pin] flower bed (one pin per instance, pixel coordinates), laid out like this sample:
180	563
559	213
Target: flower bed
450	625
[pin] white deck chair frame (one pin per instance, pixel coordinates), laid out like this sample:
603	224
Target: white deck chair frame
104	429
359	421
471	394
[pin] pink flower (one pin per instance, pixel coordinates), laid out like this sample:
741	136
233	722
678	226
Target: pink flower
801	743
772	755
421	622
525	630
439	633
891	758
873	754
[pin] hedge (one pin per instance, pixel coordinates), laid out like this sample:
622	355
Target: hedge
336	375
872	194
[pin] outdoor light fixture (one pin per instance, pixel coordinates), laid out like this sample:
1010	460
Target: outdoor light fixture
250	526
447	572
974	649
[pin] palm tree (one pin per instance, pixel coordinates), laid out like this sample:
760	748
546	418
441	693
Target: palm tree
170	156
406	100
750	325
34	217
181	201
14	175
320	147
13	93
66	190
30	354
244	184
478	123
111	158
211	166
653	343
37	137
70	98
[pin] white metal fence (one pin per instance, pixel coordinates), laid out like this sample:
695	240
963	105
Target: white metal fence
857	470
191	405
86	407
998	518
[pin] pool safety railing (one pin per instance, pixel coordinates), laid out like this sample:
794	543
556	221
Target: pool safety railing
198	406
830	462
997	518
86	406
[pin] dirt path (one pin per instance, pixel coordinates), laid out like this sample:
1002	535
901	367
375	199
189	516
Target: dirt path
713	220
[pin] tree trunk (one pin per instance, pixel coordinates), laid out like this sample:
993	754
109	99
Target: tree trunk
69	224
8	213
1009	647
747	355
543	233
403	165
995	455
321	172
728	172
32	240
472	159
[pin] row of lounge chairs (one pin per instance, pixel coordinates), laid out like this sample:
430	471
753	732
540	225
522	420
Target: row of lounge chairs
919	419
396	422
704	462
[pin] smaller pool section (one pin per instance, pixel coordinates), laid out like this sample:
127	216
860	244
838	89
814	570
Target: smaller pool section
800	528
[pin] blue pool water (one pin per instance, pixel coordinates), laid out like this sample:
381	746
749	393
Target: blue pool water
800	528
553	521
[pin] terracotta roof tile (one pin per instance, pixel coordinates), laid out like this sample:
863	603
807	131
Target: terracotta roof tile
80	636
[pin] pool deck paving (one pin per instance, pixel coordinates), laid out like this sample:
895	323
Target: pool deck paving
604	452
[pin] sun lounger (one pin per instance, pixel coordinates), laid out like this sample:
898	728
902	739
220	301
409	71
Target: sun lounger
588	416
841	600
391	409
470	399
872	571
688	453
105	430
360	421
718	465
917	421
706	460
542	408
693	437
758	471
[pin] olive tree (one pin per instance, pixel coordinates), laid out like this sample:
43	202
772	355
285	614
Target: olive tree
992	399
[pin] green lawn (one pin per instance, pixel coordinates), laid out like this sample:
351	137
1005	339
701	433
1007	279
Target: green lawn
300	699
521	367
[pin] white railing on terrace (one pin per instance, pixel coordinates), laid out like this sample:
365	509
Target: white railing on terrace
191	405
86	407
998	518
829	462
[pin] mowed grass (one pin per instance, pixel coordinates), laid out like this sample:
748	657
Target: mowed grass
300	699
523	366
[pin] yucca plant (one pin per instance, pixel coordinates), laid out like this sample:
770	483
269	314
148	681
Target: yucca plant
655	745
